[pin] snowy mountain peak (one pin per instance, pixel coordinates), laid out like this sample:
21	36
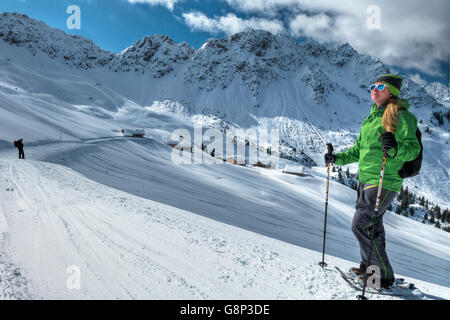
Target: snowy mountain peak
156	54
254	41
439	91
345	50
252	58
20	30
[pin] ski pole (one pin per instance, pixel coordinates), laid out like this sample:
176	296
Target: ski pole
377	207
322	263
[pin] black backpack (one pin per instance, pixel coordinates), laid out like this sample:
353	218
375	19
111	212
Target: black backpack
15	144
412	168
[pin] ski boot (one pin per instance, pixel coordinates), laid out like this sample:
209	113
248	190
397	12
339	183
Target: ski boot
359	272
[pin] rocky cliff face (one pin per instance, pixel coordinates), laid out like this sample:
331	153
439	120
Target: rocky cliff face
157	55
250	59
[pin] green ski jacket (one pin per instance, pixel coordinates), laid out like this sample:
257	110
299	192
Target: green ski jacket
369	153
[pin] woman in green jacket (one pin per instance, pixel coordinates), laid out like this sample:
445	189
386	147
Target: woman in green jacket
392	128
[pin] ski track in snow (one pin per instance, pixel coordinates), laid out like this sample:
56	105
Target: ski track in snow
13	284
131	248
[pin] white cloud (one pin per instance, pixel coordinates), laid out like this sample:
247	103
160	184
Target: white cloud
412	34
260	5
230	23
317	26
197	21
169	4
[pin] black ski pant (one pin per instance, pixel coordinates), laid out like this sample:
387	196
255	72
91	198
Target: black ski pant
365	223
21	154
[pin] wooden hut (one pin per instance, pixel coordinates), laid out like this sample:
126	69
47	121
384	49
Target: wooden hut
133	133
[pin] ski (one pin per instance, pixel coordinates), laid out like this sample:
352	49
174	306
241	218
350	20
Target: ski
402	291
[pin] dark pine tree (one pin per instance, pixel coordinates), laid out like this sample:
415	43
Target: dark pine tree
437	212
422	201
406	195
404	204
340	178
444	216
400	195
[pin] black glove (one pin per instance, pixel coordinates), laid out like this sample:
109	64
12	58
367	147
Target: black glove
330	158
388	141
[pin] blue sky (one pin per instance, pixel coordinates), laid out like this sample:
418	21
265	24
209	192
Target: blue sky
415	45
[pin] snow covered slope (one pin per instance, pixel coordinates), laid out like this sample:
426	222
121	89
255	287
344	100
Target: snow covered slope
264	202
131	248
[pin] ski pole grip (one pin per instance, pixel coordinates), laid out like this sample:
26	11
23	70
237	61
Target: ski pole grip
330	148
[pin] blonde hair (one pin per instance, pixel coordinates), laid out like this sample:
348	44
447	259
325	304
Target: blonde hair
391	114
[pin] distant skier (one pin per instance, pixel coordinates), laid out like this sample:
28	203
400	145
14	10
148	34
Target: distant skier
392	128
19	145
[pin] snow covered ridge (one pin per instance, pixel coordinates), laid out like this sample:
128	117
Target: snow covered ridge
253	59
270	56
20	30
440	92
156	54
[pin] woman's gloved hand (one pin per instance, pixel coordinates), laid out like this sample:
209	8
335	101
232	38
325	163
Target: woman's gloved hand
388	141
330	158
